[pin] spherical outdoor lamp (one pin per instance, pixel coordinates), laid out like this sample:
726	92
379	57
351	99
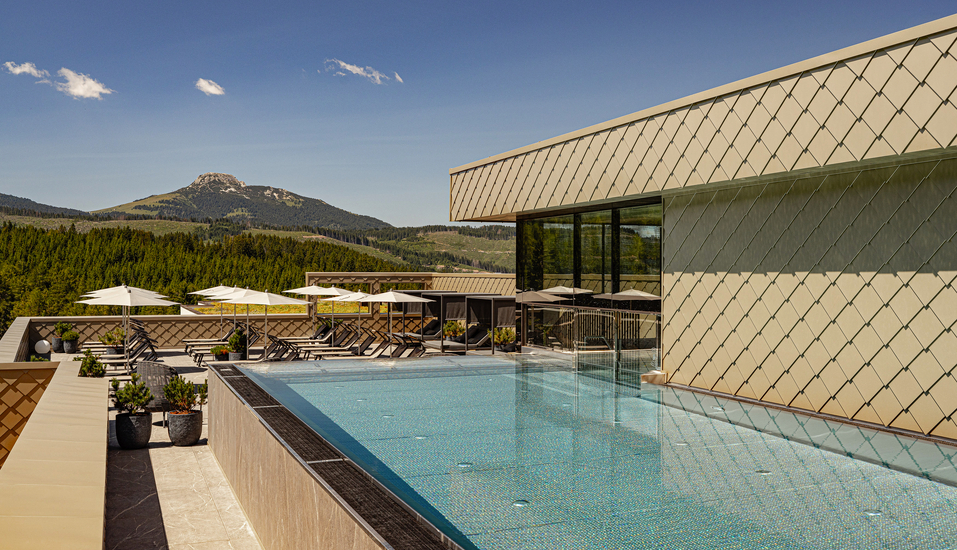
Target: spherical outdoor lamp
42	347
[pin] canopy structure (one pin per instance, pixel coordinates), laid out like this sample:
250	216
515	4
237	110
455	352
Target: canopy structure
493	311
448	306
261	298
127	297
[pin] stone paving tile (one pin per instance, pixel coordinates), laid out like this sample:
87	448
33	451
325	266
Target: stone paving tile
173	498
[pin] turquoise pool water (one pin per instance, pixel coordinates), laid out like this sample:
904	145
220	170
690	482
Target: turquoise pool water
503	454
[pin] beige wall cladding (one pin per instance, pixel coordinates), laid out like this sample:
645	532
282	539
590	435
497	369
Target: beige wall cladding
21	386
493	283
890	96
285	504
833	294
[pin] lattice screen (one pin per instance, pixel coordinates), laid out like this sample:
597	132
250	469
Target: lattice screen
20	390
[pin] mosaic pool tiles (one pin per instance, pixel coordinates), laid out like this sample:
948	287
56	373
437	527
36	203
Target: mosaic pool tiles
600	468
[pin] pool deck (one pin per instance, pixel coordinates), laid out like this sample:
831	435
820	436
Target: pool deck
166	497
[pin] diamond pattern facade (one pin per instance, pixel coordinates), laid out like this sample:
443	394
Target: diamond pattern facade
834	294
20	391
894	100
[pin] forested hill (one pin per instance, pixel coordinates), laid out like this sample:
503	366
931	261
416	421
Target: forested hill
43	272
19	205
215	195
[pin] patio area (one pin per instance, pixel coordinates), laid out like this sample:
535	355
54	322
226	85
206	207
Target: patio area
166	497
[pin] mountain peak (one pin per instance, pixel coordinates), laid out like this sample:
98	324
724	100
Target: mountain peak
219	182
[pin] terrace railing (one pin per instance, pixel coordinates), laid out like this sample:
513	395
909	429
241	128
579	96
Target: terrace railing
607	343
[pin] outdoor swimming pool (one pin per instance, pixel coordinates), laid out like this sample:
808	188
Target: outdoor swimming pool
511	454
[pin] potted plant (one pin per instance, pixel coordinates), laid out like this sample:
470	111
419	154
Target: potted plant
115	340
133	426
220	352
452	329
237	346
185	425
58	330
504	338
91	366
70	340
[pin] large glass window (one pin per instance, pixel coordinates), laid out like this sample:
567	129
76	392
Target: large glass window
639	237
546	252
558	251
596	251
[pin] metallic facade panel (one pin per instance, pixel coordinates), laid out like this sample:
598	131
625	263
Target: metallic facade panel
757	304
890	96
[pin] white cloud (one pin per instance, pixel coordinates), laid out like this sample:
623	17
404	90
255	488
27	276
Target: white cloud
26	68
80	85
340	68
399	78
209	87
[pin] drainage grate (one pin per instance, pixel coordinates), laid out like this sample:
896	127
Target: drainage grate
298	436
397	526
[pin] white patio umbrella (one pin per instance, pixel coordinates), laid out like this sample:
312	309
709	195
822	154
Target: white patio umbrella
313	290
232	292
628	296
532	296
129	299
120	290
212	291
393	297
351	297
264	299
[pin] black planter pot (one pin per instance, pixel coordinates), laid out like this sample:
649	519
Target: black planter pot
222	357
56	344
235	356
133	431
185	429
115	350
70	346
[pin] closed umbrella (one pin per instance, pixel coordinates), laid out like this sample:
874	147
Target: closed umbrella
130	298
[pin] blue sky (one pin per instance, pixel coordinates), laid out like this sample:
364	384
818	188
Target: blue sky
312	99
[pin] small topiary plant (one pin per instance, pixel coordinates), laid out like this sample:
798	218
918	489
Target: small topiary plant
180	394
91	366
71	336
134	397
452	329
503	336
61	327
203	390
237	342
114	338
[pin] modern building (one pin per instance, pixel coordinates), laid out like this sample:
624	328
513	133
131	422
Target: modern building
797	224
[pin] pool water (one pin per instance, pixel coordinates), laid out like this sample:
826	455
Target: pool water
507	454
